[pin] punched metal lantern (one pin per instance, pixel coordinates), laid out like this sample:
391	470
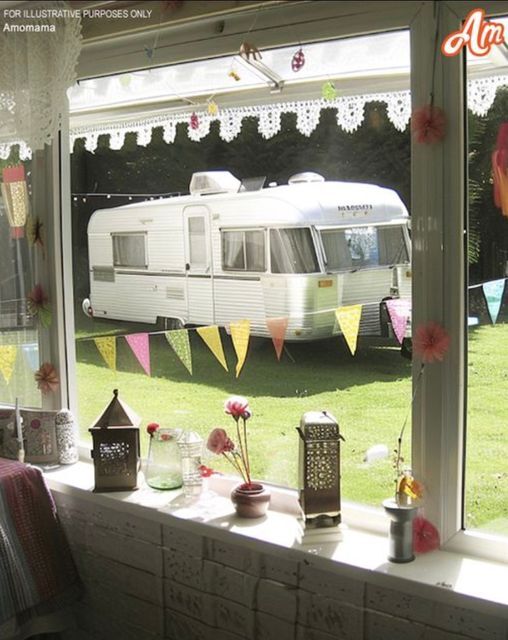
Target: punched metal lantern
319	468
115	451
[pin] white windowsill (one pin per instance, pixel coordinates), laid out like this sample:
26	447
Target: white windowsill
452	578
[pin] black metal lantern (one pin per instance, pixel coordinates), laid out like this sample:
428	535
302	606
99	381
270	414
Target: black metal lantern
115	451
319	468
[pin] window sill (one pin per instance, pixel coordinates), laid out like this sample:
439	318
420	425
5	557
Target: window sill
444	576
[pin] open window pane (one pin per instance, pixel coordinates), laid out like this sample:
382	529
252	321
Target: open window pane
486	494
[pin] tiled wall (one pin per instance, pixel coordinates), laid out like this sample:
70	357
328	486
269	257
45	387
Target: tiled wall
146	581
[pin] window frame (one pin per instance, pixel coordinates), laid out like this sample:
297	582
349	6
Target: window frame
243	230
438	175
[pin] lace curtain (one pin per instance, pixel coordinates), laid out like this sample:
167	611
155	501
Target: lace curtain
350	113
38	66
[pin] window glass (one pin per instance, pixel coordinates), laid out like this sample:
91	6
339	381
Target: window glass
197	241
129	250
369	393
292	251
486	490
364	247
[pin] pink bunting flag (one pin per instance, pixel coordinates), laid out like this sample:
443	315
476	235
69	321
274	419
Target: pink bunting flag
277	328
399	311
138	342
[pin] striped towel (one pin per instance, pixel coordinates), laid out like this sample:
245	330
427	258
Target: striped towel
37	573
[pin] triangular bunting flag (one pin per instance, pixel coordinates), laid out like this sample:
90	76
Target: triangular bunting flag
399	311
211	337
107	349
179	341
139	344
240	333
8	355
277	328
31	353
349	323
493	292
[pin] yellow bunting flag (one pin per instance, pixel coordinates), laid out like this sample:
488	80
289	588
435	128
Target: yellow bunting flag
211	337
349	323
277	328
179	341
8	355
107	349
240	333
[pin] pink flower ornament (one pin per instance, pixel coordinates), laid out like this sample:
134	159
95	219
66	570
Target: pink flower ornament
237	407
428	124
425	535
431	342
219	442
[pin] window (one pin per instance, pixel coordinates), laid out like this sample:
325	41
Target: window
197	241
364	247
129	250
292	251
243	250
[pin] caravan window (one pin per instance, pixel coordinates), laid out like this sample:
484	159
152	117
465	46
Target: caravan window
292	251
129	250
364	247
243	250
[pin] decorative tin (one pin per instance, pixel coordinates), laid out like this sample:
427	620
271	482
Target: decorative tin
116	447
319	469
66	437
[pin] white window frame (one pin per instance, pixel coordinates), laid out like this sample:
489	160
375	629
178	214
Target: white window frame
438	210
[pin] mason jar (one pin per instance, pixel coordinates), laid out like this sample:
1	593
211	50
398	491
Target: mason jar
164	463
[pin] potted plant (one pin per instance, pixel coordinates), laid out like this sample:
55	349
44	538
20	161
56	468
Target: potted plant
251	499
409	532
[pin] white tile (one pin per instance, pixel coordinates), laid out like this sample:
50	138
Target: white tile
270	628
277	599
180	540
331	584
332	616
183	568
190	602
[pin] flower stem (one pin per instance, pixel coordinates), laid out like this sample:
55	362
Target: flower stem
236	465
398	459
242	453
247	466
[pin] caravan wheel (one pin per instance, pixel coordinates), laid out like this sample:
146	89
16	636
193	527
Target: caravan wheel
170	324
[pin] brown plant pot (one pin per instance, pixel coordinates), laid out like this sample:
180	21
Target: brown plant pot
250	500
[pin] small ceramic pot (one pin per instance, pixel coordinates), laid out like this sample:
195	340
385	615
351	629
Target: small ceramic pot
401	531
251	501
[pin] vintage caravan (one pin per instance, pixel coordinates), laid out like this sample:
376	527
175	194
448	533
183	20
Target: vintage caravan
226	252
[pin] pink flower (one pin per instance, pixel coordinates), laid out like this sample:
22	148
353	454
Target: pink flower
428	124
47	378
219	442
205	472
238	407
431	342
152	428
425	535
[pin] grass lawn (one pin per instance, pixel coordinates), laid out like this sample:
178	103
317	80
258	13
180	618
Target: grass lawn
368	394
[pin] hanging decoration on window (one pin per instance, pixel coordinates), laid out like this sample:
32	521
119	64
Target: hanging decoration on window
428	122
107	348
249	51
399	311
47	378
37	306
194	121
212	108
500	169
33	229
425	535
298	60
138	342
328	91
15	197
493	292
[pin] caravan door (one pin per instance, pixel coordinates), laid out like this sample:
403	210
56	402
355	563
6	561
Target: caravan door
198	265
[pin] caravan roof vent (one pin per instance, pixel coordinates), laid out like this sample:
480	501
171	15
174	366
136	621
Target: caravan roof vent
206	182
306	176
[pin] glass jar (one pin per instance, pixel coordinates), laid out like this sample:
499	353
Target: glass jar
191	446
164	463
